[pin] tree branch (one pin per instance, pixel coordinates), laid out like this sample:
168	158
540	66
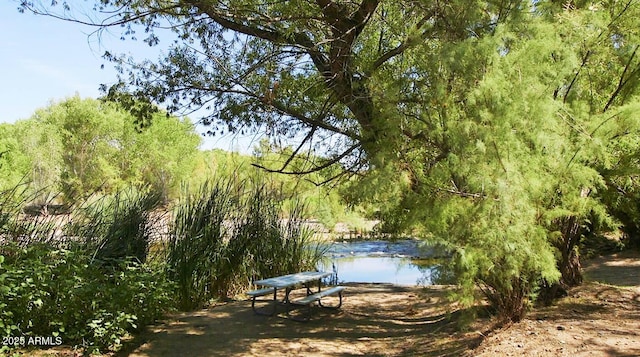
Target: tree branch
313	122
295	152
332	161
573	81
622	81
25	5
296	39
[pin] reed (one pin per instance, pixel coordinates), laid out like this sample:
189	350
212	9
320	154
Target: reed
197	240
117	227
228	234
19	228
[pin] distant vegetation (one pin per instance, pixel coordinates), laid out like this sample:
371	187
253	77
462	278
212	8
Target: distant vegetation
80	148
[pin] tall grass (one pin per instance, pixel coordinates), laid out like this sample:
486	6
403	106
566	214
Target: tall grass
20	229
197	240
228	234
117	227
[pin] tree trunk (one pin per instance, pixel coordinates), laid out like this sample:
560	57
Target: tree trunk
569	263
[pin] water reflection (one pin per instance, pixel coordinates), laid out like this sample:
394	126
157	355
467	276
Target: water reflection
380	262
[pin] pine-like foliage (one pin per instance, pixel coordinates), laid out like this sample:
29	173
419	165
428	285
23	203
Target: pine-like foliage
521	142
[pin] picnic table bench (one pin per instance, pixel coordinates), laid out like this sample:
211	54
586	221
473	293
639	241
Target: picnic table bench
289	283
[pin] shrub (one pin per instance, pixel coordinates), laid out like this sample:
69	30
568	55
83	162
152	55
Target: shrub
56	292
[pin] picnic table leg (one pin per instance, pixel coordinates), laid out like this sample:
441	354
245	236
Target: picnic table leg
306	317
286	295
275	301
275	304
332	307
309	286
288	304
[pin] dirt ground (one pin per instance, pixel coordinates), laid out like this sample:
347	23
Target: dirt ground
600	318
382	320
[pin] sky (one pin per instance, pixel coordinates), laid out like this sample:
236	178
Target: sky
45	60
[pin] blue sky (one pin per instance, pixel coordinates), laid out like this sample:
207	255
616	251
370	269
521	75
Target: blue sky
44	59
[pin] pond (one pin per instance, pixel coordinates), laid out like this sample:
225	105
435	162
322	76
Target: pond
380	261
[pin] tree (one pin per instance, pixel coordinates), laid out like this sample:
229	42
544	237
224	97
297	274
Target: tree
324	201
79	147
165	153
521	148
89	133
309	68
14	164
621	173
483	120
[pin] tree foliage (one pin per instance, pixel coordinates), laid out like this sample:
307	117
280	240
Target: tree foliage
14	163
81	147
504	129
325	203
311	68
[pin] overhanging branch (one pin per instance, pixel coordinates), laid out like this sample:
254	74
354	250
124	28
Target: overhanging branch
329	163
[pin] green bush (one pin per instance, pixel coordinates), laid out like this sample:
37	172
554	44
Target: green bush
56	292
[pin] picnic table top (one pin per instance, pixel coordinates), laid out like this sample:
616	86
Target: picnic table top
286	281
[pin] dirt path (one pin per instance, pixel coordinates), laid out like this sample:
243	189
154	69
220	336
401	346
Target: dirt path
622	269
600	318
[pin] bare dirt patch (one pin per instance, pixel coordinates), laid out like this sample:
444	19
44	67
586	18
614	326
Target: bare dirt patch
599	318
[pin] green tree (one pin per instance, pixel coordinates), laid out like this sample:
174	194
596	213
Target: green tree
82	147
621	173
164	154
511	160
312	68
478	122
14	164
318	188
89	132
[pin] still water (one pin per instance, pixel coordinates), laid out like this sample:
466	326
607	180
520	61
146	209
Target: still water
379	262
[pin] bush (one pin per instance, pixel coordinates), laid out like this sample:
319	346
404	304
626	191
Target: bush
56	292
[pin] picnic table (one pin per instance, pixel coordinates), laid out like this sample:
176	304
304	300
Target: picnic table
306	279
